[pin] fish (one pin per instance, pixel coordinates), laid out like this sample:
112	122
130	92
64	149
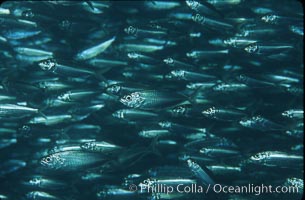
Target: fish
16	111
40	194
103	147
51	65
151	99
135	115
71	160
223	114
260	123
137	100
38	181
154	133
200	173
95	50
276	159
11	166
293	114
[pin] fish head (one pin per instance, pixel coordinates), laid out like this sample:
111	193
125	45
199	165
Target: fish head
144	133
246	122
87	145
294	182
53	161
47	64
168	61
209	112
259	157
241	78
204	151
230	41
176	74
219	87
192	165
43	85
198	18
65	96
25	130
65	25
32	195
133	55
133	100
289	132
113	89
178	110
165	124
287	113
35	181
192	4
131	30
28	13
118	114
270	18
252	48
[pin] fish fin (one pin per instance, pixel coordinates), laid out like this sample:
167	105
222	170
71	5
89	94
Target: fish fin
192	97
212	8
42	114
90	4
64	136
99	74
153	147
5	83
253	107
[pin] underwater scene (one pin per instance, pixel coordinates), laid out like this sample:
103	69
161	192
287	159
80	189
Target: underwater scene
151	100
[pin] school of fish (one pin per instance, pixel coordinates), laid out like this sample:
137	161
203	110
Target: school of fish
106	99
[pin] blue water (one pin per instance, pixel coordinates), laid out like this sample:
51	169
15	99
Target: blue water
200	99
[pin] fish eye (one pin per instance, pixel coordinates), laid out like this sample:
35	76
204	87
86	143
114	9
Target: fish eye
260	156
32	195
180	108
178	73
197	18
65	24
203	150
28	13
252	48
191	54
269	18
65	96
242	77
48	159
47	64
286	114
131	30
42	85
116	88
168	61
25	128
133	55
193	4
87	145
128	97
209	111
256	157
